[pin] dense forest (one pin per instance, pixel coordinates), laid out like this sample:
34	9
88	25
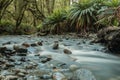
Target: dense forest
57	16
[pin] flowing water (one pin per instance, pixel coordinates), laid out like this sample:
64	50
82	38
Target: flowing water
104	66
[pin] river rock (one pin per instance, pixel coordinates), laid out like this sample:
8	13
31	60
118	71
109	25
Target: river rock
106	34
73	67
31	66
21	74
46	60
21	54
3	49
9	52
21	50
1	55
46	77
11	60
56	45
58	76
26	45
2	77
10	77
23	59
40	43
8	65
110	36
83	74
66	51
34	44
6	43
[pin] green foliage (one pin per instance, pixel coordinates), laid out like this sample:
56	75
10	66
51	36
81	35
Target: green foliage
83	14
6	27
26	29
112	3
106	14
55	21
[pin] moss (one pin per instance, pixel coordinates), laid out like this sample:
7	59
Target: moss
7	28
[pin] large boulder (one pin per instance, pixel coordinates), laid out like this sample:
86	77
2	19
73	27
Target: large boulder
110	36
114	44
106	34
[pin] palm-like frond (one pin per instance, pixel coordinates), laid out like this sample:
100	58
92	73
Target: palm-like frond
83	14
55	20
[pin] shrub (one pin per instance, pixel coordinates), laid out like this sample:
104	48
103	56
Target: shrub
56	22
6	27
83	15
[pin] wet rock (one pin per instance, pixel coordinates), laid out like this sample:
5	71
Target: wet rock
6	43
83	74
23	59
31	66
21	74
34	44
16	71
3	49
21	71
106	31
20	49
44	77
58	76
110	36
2	77
26	45
11	77
60	40
62	64
18	63
66	51
73	67
46	60
1	55
11	60
16	47
33	77
78	43
56	45
9	52
40	43
8	65
2	61
21	54
67	38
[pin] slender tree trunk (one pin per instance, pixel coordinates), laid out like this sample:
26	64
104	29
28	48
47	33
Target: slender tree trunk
3	6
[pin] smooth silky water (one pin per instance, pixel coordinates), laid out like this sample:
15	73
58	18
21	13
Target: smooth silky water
104	66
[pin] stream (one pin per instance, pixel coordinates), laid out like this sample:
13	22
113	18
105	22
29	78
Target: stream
85	55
